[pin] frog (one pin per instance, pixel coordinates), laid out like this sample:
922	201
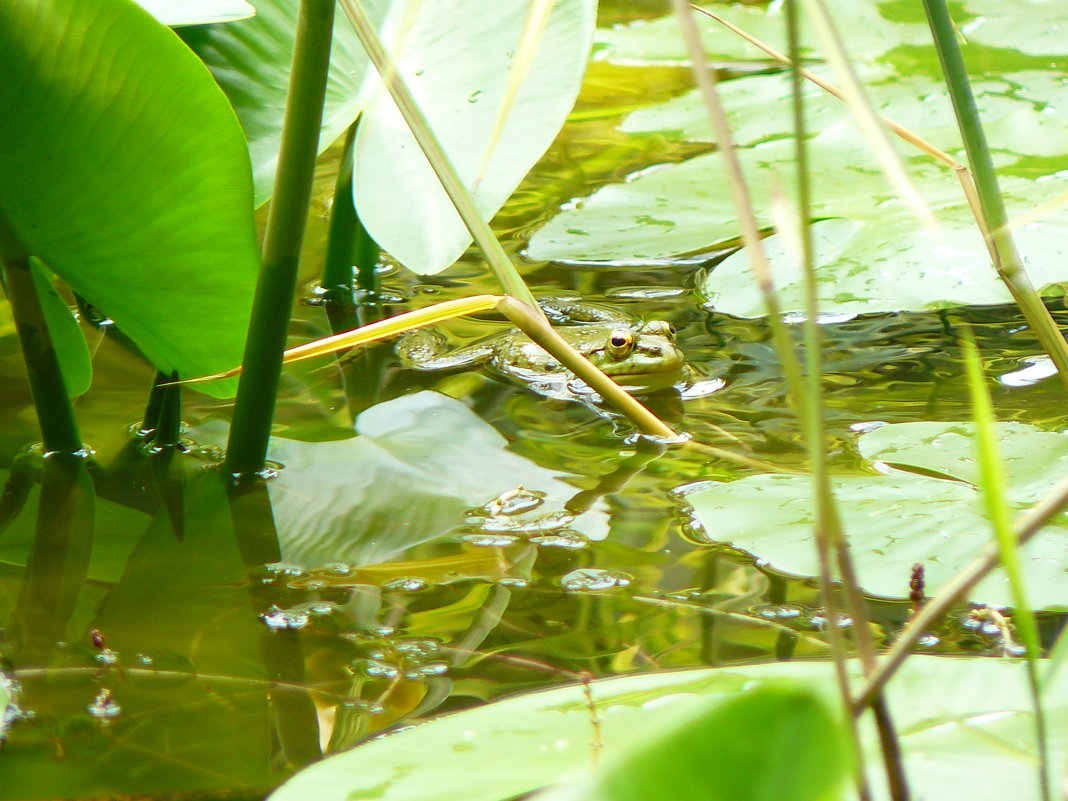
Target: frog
641	356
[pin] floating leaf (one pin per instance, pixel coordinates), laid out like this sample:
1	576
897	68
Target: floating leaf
894	521
965	726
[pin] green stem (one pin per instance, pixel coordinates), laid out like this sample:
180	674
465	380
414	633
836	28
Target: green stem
262	363
828	526
348	242
55	415
1006	257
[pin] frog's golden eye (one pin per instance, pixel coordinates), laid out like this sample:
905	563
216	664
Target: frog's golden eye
620	343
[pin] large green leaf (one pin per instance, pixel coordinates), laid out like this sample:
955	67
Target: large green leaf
965	727
897	520
124	170
456	57
775	742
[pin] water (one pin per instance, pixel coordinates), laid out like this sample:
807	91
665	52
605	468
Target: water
195	657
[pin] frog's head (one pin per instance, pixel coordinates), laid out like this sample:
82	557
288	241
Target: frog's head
645	355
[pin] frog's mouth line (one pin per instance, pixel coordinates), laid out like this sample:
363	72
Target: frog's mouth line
651	381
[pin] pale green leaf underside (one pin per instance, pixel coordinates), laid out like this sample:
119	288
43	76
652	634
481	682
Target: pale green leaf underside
456	58
196	12
965	727
455	55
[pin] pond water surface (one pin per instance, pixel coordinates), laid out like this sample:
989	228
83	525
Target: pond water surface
473	541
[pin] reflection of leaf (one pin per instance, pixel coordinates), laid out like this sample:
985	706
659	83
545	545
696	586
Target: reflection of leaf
897	520
417	464
965	727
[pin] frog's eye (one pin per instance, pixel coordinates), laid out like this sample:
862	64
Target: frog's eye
620	343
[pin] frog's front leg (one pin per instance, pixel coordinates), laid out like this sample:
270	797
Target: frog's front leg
426	349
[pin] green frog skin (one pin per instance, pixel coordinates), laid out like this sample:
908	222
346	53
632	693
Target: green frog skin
640	356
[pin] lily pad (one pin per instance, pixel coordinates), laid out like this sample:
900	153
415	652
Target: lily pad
895	521
965	726
671	210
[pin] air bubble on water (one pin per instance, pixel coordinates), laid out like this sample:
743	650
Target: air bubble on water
421	647
513	502
514	582
594	579
489	540
281	619
406	584
106	656
429	670
818	621
928	641
104	707
339	569
777	611
568	538
373	669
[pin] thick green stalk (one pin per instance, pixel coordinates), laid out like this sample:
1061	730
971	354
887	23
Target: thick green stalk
262	363
1006	257
55	415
